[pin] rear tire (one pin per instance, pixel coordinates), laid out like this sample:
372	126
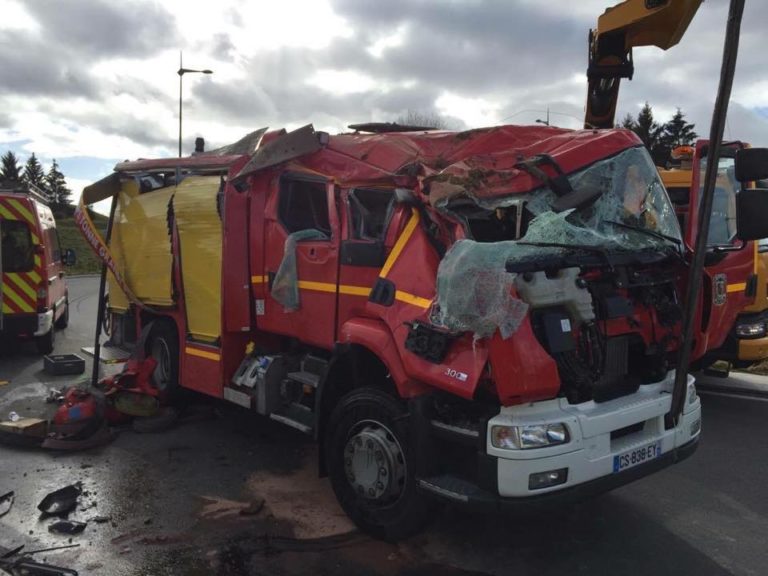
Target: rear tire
46	342
371	465
163	346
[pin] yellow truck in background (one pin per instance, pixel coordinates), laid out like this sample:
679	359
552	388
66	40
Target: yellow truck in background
747	342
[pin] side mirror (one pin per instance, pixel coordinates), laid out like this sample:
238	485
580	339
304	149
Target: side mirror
752	214
70	258
751	164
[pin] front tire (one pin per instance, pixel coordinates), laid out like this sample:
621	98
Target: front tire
63	320
371	465
46	342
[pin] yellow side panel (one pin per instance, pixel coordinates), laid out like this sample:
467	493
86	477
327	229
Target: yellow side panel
141	246
200	234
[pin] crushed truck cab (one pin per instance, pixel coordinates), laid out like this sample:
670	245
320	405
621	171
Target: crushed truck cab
485	317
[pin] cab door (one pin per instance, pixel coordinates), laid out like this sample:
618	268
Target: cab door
301	260
729	265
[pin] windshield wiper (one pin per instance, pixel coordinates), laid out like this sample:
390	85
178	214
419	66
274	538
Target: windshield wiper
645	231
586	247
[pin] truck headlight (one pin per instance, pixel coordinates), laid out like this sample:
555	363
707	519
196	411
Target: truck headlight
750	330
530	436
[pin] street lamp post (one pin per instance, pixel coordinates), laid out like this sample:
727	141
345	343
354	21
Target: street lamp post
181	73
545	122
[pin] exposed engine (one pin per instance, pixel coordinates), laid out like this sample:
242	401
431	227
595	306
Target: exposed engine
609	331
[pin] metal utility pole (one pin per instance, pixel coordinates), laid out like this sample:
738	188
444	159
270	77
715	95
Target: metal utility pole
730	51
181	71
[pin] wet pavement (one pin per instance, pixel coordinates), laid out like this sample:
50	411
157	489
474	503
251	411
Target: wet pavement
227	493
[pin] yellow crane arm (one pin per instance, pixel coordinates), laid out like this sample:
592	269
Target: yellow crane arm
631	23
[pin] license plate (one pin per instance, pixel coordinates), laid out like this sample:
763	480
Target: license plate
636	456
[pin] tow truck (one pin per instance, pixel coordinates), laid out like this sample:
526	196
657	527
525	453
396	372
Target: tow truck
732	322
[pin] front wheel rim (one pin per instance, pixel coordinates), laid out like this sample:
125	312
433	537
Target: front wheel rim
374	462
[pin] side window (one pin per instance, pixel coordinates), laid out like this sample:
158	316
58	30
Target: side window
304	206
370	210
52	239
18	253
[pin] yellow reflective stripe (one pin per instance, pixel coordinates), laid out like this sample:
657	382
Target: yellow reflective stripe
38	262
8	291
35	277
35	238
354	290
7	309
318	286
400	244
412	299
736	287
757	256
258	279
5	214
203	354
22	210
23	285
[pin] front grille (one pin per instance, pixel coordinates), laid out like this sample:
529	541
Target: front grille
627	430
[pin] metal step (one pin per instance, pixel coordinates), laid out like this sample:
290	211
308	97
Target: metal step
109	354
455	488
306	378
314	365
296	416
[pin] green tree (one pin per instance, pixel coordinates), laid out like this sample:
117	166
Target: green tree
628	122
9	168
676	132
647	128
57	189
33	173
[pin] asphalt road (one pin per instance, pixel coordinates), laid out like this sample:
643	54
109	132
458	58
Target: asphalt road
186	501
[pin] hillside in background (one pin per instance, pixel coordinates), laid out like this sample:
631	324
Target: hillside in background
87	262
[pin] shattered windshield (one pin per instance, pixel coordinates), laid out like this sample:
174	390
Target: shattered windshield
627	210
632	210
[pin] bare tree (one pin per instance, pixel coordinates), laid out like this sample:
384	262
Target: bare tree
428	119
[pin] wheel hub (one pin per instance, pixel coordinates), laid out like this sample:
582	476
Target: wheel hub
374	463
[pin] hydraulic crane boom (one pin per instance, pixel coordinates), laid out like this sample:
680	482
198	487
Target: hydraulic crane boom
632	23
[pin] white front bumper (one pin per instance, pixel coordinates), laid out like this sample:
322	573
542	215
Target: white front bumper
44	323
589	454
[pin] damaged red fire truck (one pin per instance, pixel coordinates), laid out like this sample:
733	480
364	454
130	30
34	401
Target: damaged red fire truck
489	317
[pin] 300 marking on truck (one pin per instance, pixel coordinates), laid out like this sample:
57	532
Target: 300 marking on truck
636	456
455	374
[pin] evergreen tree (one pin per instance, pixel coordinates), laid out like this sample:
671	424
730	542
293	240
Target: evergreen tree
33	173
647	128
628	122
677	132
10	169
57	189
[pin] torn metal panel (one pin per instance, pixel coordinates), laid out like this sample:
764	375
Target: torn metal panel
101	190
293	145
247	145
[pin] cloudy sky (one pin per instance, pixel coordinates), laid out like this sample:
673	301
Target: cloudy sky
93	82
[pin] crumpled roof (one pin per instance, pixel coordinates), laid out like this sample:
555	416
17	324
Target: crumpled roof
480	162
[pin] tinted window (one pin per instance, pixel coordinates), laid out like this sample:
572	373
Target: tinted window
17	252
370	210
304	206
